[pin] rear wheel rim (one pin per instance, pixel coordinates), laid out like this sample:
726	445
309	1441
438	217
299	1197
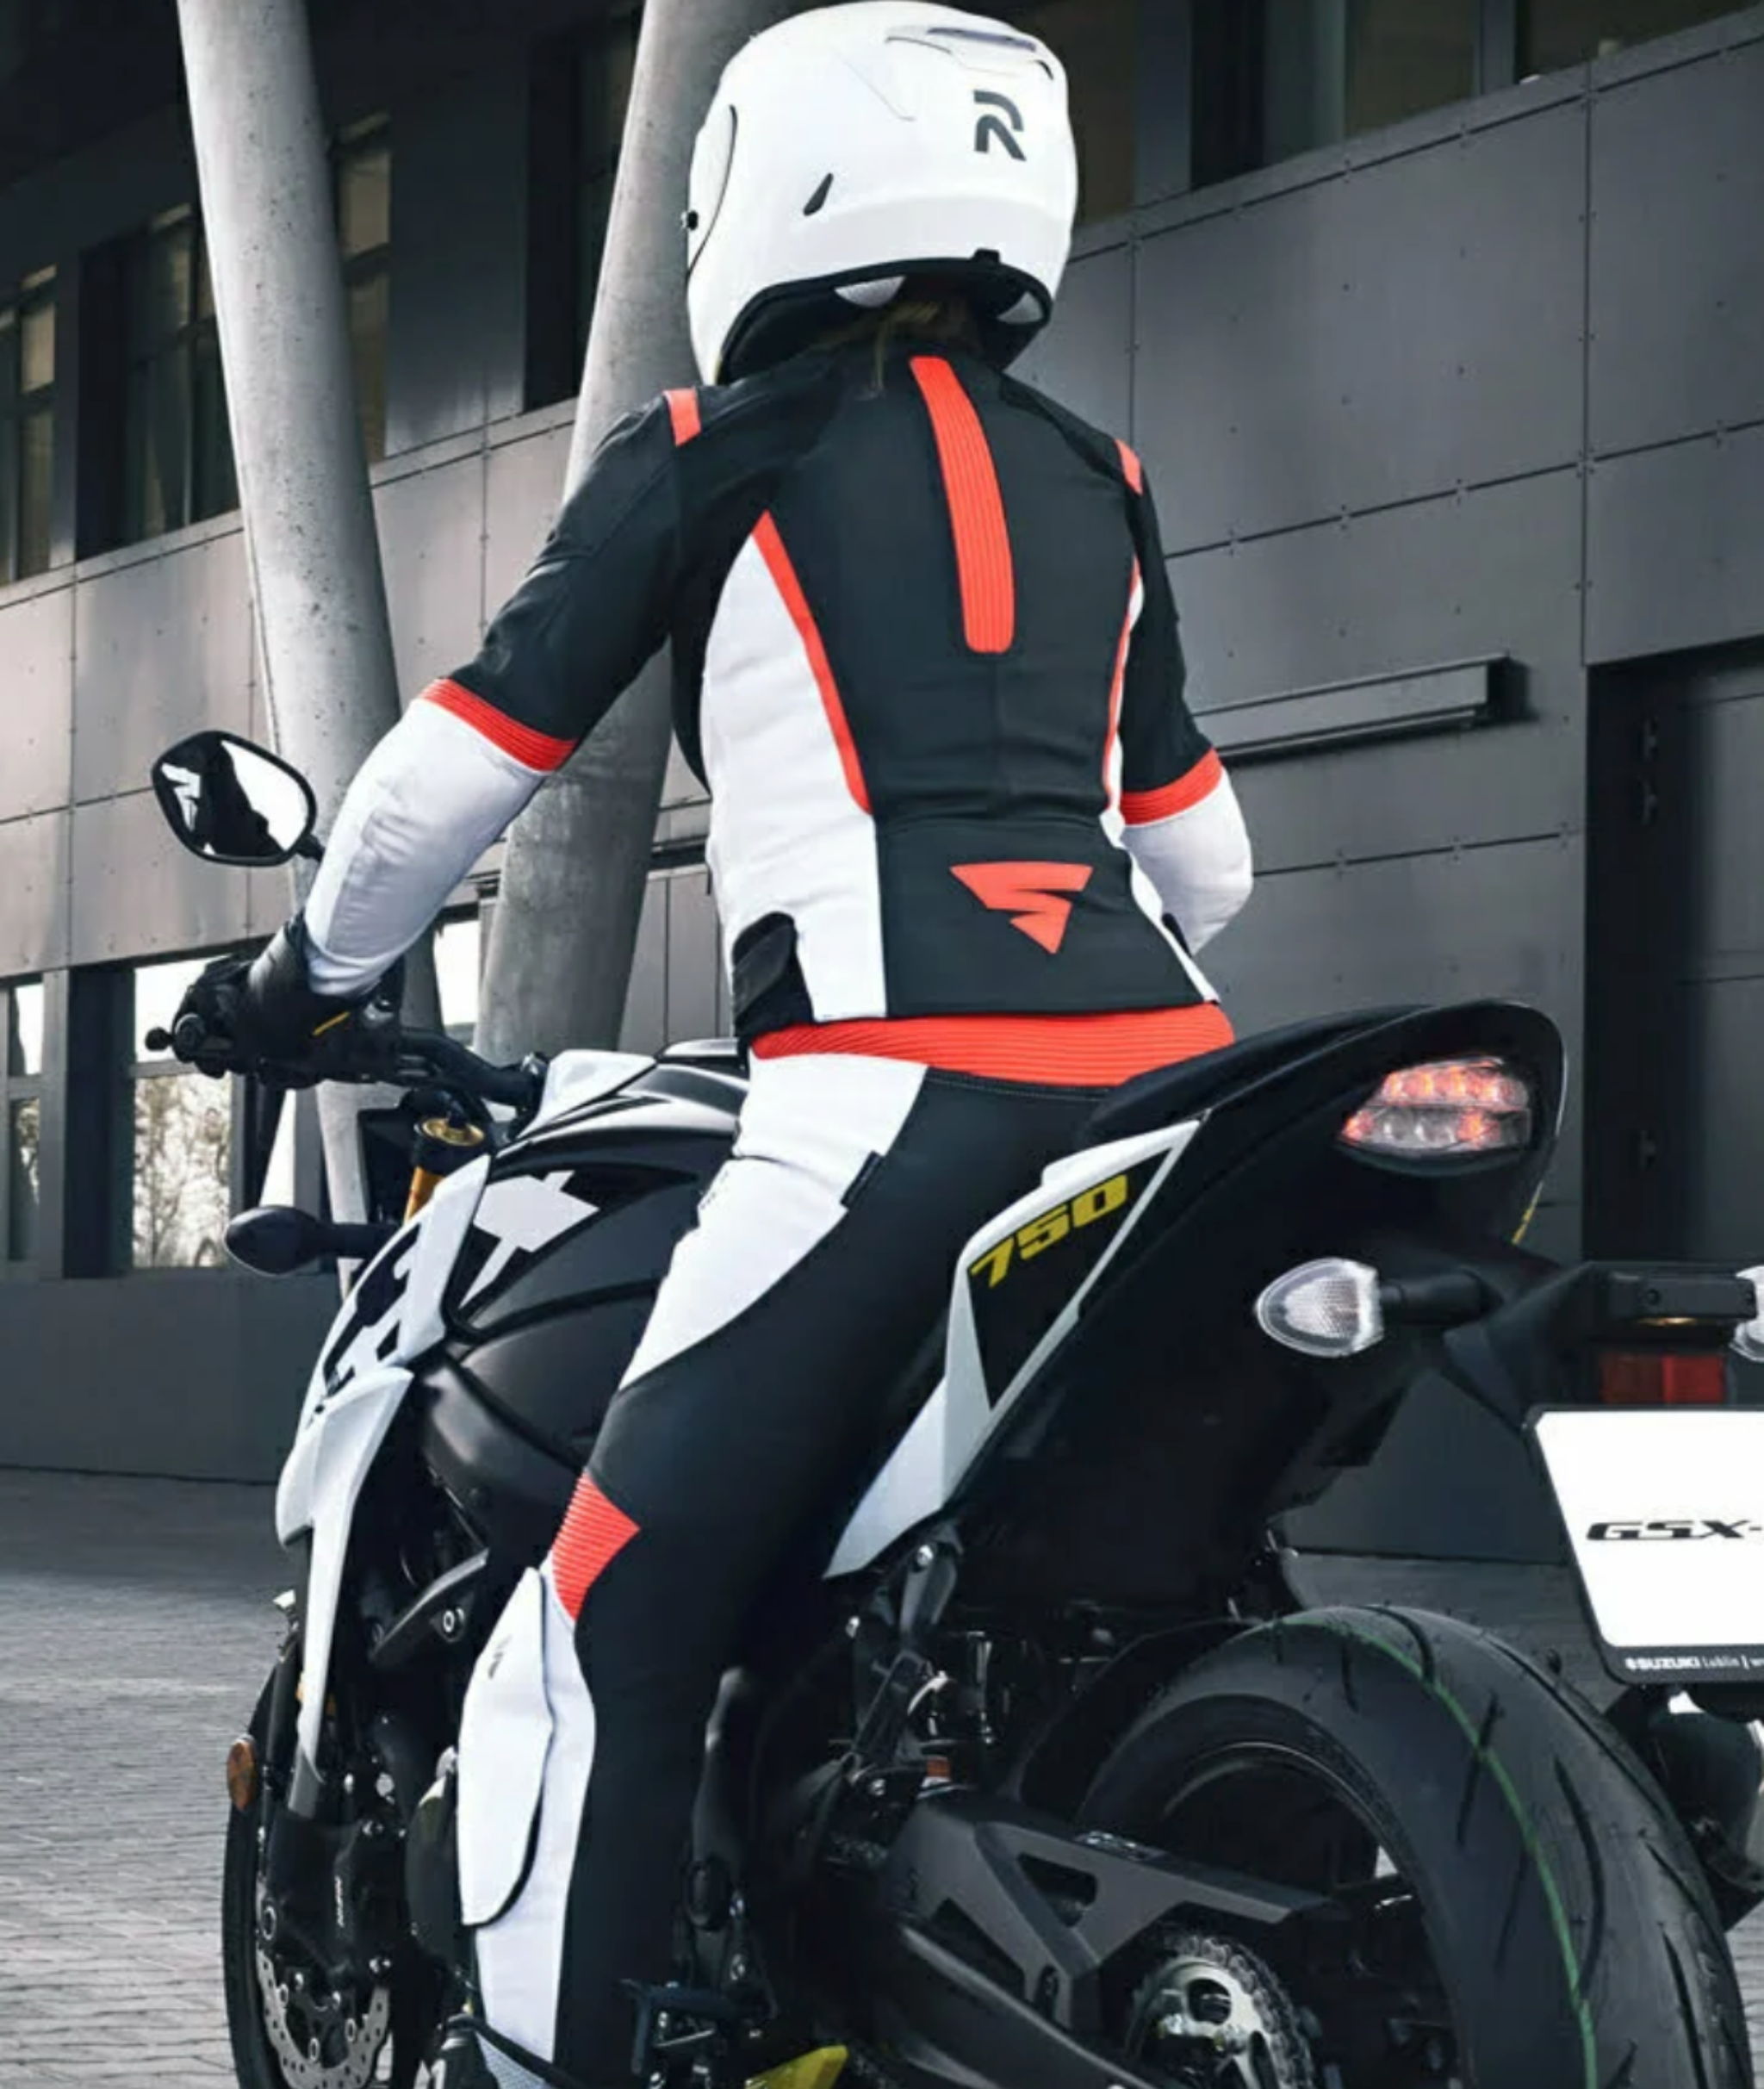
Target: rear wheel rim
1366	1984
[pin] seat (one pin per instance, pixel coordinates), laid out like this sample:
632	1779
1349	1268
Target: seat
1174	1093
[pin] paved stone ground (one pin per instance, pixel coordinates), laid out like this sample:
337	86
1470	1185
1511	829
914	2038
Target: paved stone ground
135	1628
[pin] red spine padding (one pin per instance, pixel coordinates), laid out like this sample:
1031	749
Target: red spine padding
976	508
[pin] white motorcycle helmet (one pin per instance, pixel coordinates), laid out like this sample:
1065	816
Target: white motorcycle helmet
856	147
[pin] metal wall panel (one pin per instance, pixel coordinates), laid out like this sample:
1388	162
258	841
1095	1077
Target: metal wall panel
694	956
1468	925
1085	357
33	893
1723	1134
645	1027
524	483
1452	926
1675	547
137	893
457	343
1386	333
1722	832
680	787
1677	303
118	1352
431	532
1496	571
37	702
162	646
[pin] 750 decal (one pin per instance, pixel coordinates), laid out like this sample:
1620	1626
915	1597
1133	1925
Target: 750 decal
1053	1226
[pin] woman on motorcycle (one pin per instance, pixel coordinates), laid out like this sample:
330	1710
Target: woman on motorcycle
965	838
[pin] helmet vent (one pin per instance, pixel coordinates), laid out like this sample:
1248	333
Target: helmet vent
819	197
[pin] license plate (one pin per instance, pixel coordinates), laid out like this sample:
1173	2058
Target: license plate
1664	1510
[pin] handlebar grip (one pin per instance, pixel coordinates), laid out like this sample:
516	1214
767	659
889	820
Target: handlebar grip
188	1035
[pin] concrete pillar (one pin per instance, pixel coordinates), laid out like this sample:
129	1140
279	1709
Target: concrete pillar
572	879
323	639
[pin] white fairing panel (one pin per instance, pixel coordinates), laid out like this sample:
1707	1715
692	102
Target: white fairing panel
392	1315
336	1455
955	1424
396	1305
574	1079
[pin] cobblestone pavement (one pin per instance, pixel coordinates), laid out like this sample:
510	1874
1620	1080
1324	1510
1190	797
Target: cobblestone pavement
135	1628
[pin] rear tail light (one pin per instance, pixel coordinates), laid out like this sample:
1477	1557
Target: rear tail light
1452	1109
1655	1379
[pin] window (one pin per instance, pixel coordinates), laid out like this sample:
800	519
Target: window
1334	68
580	91
182	1168
26	427
178	450
364	160
21	1119
458	967
1097	42
1275	77
1557	33
603	89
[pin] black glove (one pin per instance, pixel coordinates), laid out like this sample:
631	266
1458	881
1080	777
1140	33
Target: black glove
259	1014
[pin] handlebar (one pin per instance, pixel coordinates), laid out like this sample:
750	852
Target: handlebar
430	1056
401	1058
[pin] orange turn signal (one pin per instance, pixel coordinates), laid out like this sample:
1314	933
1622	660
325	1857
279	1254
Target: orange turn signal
242	1774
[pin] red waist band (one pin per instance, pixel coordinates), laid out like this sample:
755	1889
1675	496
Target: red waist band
1051	1051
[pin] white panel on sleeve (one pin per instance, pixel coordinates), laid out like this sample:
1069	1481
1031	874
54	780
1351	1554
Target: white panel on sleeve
1199	861
429	801
786	835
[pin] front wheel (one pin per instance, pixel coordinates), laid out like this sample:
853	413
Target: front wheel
294	2021
1514	1907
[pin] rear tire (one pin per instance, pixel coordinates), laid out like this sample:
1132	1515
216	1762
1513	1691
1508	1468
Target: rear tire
1567	1920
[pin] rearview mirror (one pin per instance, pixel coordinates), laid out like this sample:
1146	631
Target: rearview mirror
275	1239
230	802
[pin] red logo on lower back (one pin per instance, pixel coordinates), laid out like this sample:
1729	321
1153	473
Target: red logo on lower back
1031	893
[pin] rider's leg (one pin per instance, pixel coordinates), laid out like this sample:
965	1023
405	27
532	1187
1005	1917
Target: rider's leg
823	1250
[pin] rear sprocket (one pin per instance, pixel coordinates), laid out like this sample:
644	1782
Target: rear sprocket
1211	2015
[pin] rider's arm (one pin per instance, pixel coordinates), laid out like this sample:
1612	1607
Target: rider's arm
473	747
1184	827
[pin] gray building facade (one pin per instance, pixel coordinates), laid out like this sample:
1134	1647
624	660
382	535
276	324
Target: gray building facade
1456	420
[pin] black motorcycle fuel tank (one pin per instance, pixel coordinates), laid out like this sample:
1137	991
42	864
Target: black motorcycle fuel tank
573	1234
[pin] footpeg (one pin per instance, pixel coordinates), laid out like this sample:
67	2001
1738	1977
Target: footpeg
683	2027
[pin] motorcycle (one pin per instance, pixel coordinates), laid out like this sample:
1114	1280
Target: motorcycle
1036	1770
